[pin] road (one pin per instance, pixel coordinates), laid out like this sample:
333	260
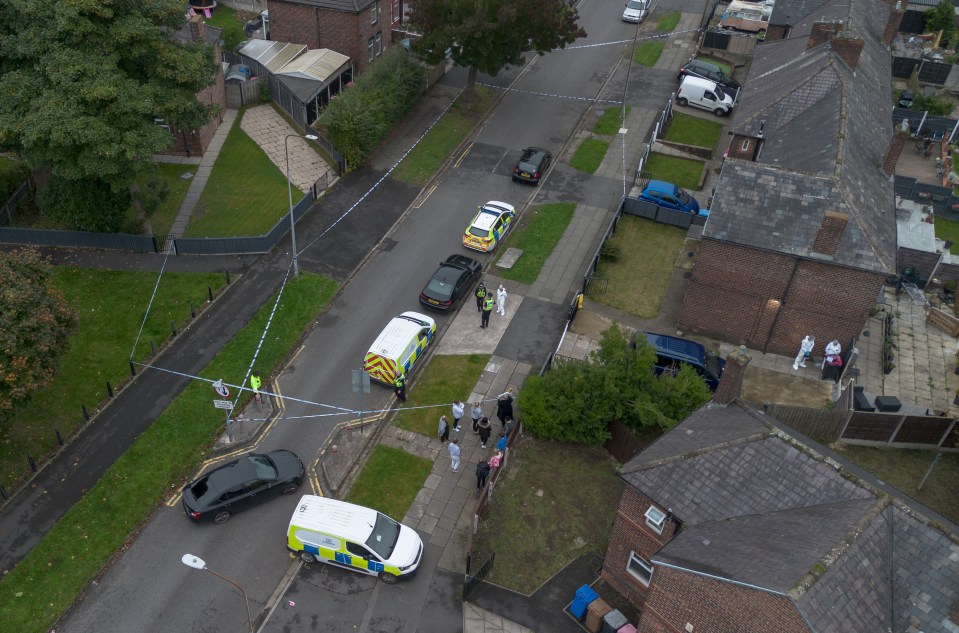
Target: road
147	589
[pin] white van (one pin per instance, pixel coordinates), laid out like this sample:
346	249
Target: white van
353	537
399	345
705	94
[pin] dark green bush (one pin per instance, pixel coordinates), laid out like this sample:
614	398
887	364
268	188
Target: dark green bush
85	205
12	175
938	106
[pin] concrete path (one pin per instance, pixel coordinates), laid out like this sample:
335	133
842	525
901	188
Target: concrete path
269	130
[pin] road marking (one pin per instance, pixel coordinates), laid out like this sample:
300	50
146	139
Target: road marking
463	155
419	203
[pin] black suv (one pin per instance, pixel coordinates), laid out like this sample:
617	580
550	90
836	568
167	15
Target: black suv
712	72
532	164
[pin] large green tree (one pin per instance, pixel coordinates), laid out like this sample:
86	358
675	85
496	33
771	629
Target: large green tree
575	402
83	82
35	325
488	35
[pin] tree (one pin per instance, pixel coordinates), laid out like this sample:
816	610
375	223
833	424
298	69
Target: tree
35	325
941	18
574	402
82	84
488	35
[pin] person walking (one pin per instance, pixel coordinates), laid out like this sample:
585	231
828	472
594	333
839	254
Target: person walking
501	300
482	472
476	413
454	449
399	387
255	384
485	429
495	461
458	410
480	296
443	428
487	310
504	406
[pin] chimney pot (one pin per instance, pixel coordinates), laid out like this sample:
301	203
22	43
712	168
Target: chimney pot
731	383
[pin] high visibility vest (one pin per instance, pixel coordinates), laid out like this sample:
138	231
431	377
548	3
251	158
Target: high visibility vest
488	304
481	292
255	382
400	380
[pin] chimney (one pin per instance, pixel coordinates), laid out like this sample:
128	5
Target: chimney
196	28
894	149
827	239
892	24
731	384
822	32
954	613
848	48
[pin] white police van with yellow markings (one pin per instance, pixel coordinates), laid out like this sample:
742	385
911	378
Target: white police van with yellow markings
353	537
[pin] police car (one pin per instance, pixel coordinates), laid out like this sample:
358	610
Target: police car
489	226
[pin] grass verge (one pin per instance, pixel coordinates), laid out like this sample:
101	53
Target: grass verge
693	130
389	481
681	171
647	53
609	123
542	228
639	278
427	157
245	195
162	219
948	230
547	515
445	379
589	155
668	21
904	469
98	352
55	572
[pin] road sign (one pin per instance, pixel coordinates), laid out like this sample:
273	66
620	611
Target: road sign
222	390
223	404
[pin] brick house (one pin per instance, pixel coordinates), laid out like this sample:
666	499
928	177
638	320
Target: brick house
733	522
359	29
802	228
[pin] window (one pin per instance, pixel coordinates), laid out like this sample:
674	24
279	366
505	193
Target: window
396	11
357	550
378	43
655	519
369	48
745	145
639	568
373	14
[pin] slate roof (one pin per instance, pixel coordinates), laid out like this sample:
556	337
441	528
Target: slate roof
761	506
788	12
350	6
825	133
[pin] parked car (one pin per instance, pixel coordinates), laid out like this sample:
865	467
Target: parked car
672	351
532	165
705	94
489	226
246	481
666	194
712	72
905	99
636	11
451	282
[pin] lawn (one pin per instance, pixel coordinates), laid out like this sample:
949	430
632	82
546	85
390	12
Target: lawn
647	53
431	152
668	21
589	155
389	481
904	469
444	379
542	228
555	503
948	230
693	130
231	23
246	193
162	219
681	171
58	570
638	279
98	352
609	122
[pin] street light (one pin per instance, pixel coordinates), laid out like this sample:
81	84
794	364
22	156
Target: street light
289	190
197	563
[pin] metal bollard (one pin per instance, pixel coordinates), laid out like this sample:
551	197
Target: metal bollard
3	492
153	348
109	389
228	277
192	310
349	434
209	292
33	464
133	370
172	327
59	437
86	414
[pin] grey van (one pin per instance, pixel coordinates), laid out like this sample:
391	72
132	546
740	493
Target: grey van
671	351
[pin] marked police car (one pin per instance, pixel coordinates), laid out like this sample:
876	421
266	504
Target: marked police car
488	226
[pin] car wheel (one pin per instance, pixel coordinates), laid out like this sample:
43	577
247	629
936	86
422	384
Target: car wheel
387	578
222	517
290	488
307	557
682	101
719	112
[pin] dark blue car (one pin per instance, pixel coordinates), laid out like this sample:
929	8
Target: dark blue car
670	196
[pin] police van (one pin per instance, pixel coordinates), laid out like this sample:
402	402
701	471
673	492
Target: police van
401	343
353	537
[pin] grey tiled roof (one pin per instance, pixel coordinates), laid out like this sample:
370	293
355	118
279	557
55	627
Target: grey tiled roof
926	576
350	6
825	129
788	12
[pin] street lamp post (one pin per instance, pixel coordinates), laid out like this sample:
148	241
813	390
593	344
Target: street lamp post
197	563
289	190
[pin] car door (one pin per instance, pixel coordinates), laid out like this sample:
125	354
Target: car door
363	559
460	287
670	201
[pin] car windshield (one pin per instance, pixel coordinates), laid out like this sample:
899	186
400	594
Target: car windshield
684	197
719	93
712	365
263	466
385	534
636	4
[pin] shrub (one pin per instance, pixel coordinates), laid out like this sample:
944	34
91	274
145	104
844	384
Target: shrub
85	205
939	106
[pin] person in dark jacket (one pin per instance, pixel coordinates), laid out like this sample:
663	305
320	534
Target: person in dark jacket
482	472
504	406
484	429
480	296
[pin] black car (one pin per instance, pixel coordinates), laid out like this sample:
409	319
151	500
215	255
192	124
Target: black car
452	281
532	165
246	481
712	72
905	99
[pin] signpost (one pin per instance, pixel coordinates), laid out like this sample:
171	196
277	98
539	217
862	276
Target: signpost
224	392
223	404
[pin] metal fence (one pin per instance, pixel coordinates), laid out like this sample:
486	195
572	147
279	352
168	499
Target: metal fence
658	127
9	209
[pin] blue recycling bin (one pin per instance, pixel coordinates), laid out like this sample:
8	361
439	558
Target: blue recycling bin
584	595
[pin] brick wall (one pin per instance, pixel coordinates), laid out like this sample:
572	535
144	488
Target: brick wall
340	31
676	598
923	261
195	142
768	301
743	147
775	32
631	534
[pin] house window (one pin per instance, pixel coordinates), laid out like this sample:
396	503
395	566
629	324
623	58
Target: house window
655	519
378	43
639	568
396	11
369	48
373	14
745	145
